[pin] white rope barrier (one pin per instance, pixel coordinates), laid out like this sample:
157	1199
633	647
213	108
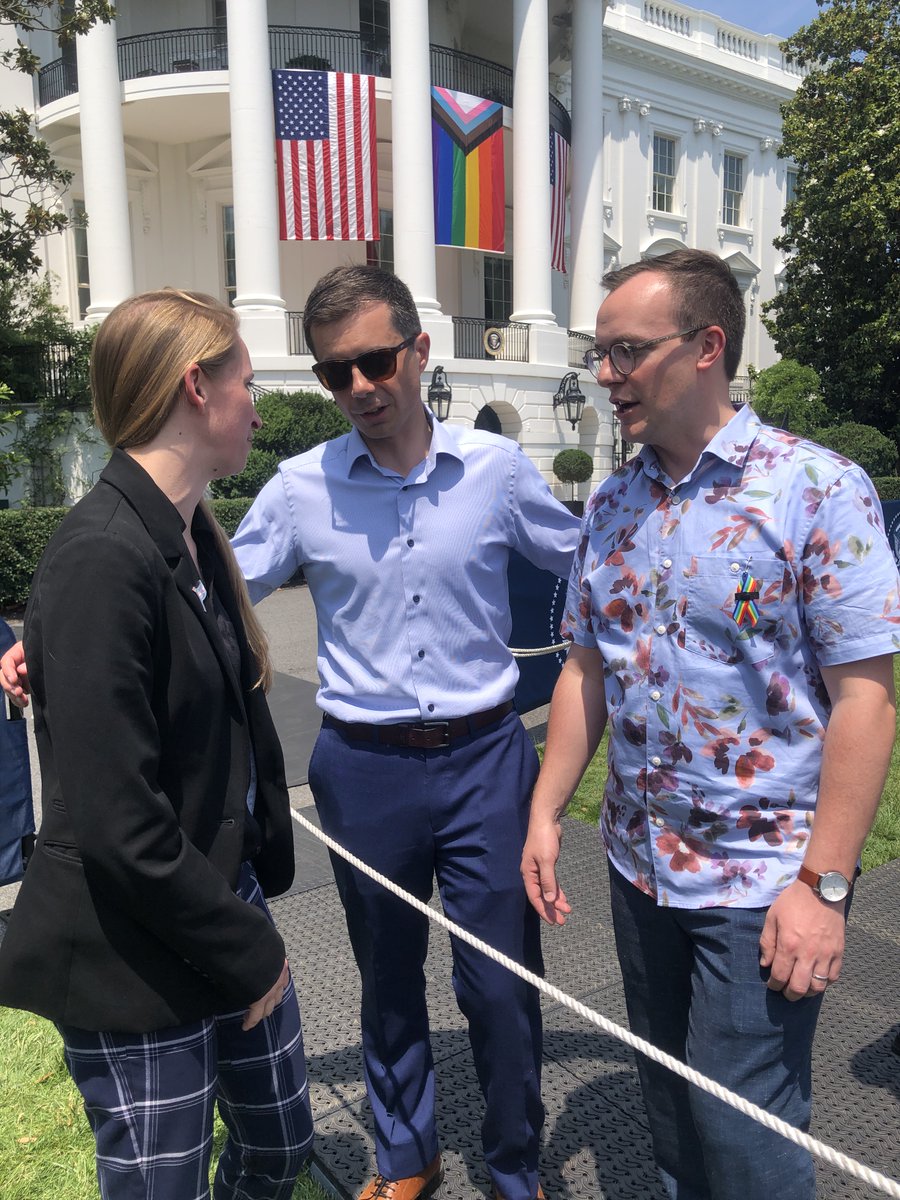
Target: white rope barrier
533	652
836	1158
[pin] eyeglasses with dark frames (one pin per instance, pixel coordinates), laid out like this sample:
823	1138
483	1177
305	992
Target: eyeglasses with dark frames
622	354
378	366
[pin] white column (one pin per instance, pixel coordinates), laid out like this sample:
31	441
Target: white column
531	163
254	181
103	167
414	259
587	164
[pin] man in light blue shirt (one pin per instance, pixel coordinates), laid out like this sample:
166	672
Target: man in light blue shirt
733	612
403	529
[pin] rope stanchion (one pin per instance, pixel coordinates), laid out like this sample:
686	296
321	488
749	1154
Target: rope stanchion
836	1158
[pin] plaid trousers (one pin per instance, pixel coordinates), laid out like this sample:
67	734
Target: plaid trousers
149	1099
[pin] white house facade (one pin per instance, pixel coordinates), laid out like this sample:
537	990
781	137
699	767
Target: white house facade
165	119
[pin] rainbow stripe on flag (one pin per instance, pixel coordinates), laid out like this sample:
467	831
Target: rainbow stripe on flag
469	180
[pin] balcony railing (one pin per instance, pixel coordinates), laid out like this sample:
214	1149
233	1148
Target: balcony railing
578	343
740	390
46	373
180	50
508	340
297	343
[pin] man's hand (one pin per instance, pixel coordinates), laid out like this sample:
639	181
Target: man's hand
802	942
14	675
265	1006
539	859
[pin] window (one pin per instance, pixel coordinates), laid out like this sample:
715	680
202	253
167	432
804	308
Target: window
497	288
220	18
790	187
375	31
82	265
663	173
230	268
732	189
381	253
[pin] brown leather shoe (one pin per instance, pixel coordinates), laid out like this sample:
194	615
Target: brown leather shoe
540	1194
414	1187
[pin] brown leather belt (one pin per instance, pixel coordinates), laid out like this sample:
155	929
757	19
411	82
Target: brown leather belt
421	735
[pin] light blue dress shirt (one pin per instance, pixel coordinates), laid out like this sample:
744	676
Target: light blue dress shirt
408	576
717	712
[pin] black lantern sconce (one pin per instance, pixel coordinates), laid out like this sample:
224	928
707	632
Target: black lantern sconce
571	397
440	393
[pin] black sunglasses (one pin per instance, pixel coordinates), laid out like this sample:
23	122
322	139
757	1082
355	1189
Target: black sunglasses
377	366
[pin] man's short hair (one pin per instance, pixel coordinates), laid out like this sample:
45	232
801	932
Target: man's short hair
347	290
704	290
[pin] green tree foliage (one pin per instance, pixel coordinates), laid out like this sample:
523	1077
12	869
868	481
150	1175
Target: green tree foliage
291	423
840	309
789	396
27	170
865	445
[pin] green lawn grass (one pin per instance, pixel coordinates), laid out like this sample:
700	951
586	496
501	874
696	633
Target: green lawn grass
46	1147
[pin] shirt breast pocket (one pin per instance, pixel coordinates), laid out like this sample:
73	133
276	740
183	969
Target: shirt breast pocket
731	612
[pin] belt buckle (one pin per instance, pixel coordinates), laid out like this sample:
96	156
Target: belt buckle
428	727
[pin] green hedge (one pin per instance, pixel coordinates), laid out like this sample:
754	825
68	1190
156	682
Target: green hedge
887	486
24	532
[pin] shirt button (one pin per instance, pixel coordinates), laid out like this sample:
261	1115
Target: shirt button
431	708
660	629
410	542
735	567
667	562
655	694
421	654
416	599
656	760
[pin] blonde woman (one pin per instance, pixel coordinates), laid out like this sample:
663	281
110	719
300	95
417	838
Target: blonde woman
140	928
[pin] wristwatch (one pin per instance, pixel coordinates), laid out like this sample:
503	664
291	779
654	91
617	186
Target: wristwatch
830	885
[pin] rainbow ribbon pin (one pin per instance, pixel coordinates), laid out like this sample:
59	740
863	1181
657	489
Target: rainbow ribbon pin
745	598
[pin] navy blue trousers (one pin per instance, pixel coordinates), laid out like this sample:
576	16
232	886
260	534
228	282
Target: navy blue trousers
459	814
150	1097
694	988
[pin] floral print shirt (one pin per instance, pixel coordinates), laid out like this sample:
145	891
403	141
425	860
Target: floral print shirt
715	602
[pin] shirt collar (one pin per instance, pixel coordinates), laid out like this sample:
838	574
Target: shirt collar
442	442
731	444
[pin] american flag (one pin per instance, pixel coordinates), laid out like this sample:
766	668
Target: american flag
325	146
559	162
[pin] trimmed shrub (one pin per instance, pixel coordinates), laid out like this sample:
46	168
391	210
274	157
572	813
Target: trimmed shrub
24	534
291	423
864	444
230	512
887	486
573	466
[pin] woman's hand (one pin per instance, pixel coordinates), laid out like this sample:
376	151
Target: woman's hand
266	1005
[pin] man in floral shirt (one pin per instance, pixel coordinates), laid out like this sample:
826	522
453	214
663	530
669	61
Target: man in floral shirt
733	611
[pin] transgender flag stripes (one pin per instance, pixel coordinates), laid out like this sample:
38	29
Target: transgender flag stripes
559	162
467	160
326	156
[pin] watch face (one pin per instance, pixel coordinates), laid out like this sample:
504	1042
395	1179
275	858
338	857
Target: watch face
833	886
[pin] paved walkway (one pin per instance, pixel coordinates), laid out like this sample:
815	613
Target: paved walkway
596	1143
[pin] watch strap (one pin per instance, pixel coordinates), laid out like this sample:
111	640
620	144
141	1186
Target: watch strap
810	878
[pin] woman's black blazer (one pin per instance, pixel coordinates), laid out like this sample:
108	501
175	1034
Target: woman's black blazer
126	919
